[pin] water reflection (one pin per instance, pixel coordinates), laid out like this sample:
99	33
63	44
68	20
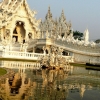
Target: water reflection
15	87
34	83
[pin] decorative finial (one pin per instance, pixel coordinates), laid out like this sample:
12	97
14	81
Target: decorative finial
49	8
49	14
62	11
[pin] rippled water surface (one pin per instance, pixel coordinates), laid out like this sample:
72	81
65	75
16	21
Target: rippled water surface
30	82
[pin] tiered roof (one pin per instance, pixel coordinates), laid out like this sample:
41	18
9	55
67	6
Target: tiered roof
48	23
9	7
55	26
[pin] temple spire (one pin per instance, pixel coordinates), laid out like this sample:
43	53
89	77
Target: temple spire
62	17
62	12
49	9
49	14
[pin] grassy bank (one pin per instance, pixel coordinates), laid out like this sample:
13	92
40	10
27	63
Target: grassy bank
15	59
87	67
2	71
78	64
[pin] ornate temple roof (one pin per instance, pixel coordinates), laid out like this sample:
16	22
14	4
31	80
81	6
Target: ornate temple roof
48	23
49	14
9	7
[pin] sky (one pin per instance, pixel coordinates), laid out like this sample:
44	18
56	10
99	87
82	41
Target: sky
83	14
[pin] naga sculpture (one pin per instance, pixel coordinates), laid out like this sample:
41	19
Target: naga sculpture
54	58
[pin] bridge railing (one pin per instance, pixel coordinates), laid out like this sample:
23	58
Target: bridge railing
69	58
21	55
78	49
29	56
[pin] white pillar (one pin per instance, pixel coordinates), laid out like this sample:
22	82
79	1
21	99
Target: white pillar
11	33
2	34
34	49
42	34
26	35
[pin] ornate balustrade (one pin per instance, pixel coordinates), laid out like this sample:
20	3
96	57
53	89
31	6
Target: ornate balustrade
73	47
21	55
86	50
69	58
81	52
29	56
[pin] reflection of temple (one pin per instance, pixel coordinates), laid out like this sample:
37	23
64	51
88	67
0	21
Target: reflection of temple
20	65
55	84
47	83
15	88
62	84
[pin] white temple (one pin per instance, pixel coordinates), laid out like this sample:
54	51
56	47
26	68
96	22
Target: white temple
22	35
17	21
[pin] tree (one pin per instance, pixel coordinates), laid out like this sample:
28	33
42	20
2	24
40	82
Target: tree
97	41
78	35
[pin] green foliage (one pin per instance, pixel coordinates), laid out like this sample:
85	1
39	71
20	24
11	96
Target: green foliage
97	41
78	35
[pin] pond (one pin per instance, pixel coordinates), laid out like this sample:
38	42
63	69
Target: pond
34	83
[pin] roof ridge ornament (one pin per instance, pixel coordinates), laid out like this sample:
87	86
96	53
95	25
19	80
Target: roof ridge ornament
49	14
86	36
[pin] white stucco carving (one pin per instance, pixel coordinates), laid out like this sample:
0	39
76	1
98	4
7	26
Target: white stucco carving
86	36
23	27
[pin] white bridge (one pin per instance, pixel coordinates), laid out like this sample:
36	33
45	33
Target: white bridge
79	50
